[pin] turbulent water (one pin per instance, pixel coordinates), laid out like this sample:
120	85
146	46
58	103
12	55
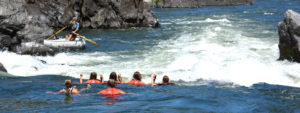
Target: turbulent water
218	55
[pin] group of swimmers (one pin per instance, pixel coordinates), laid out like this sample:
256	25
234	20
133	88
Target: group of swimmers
111	83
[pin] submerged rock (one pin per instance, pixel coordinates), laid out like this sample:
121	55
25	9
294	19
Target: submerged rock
2	68
34	20
43	61
195	3
289	37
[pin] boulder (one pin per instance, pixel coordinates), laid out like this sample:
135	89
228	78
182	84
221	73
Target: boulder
5	41
289	37
32	21
2	68
195	3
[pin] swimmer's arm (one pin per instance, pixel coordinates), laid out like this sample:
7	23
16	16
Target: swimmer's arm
51	92
153	80
75	91
83	89
122	92
120	78
61	91
130	93
81	78
101	78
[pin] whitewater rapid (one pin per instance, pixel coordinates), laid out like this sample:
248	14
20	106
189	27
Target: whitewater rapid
212	47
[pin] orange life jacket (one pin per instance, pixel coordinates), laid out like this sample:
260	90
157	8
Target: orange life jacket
93	82
136	82
110	91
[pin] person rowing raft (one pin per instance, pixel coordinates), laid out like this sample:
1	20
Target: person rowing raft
75	28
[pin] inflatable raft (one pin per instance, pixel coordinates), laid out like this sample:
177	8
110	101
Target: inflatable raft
61	43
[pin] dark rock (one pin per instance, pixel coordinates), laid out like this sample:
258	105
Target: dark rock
5	41
8	35
34	20
289	37
196	3
2	68
43	61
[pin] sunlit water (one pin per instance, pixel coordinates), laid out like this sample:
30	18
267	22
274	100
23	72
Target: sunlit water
218	55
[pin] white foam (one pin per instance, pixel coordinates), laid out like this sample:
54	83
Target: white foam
267	13
217	20
244	61
214	51
207	20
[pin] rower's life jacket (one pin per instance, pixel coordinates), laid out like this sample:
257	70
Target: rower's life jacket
110	91
161	84
93	82
75	25
136	82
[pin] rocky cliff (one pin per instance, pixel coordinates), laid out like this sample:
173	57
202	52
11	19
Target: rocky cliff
25	23
289	37
195	3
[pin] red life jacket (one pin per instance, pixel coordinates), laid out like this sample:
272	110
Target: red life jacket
136	82
166	84
110	91
117	82
93	82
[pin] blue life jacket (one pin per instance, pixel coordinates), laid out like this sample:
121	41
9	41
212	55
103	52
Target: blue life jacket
75	25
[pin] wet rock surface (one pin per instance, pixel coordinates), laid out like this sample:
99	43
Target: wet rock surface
2	68
34	20
289	37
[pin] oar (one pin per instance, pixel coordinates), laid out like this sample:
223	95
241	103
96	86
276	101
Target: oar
57	32
87	39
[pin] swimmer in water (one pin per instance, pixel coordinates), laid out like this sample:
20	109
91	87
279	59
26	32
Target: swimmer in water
137	79
69	90
93	79
118	79
111	90
165	81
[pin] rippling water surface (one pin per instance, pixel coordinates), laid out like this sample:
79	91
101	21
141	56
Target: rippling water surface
222	58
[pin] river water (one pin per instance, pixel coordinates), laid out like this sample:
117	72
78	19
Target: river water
222	58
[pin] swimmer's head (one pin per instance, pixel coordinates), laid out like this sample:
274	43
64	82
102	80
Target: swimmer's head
68	83
113	75
137	76
165	79
93	76
111	83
